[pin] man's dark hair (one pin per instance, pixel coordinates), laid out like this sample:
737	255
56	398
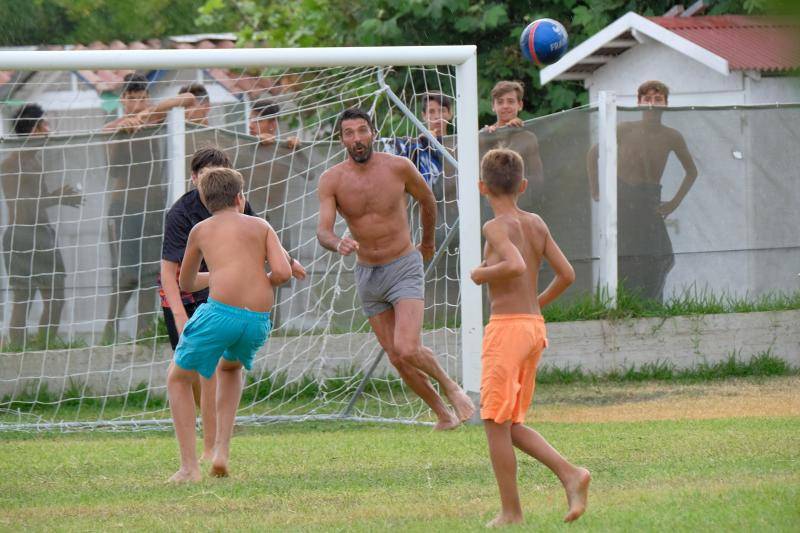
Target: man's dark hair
265	108
134	83
27	118
353	113
209	156
439	98
197	89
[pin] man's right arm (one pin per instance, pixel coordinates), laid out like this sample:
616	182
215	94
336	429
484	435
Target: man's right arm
327	217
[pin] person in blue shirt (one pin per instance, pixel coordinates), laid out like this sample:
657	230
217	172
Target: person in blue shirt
437	114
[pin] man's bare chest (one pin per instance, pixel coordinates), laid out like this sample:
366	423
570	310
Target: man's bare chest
359	197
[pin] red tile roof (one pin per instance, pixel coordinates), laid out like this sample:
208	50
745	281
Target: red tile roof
746	42
250	83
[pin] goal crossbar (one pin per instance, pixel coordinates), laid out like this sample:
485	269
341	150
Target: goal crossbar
235	58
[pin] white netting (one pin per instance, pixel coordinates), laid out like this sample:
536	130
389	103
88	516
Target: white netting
82	224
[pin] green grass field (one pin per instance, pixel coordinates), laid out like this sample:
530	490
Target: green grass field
710	456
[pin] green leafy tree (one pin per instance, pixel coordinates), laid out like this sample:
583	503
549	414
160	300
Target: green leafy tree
494	26
35	22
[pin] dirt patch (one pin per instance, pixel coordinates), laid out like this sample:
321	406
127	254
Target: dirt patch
609	402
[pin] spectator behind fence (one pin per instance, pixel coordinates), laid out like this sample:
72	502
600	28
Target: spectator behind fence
139	112
436	113
264	124
644	247
267	175
507	99
439	174
138	197
32	259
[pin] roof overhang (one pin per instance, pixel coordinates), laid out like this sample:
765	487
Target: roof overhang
621	35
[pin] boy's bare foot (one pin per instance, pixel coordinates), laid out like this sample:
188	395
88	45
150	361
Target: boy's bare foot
447	422
219	466
504	520
462	404
577	494
185	476
219	470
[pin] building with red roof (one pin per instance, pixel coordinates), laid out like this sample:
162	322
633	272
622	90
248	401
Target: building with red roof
705	60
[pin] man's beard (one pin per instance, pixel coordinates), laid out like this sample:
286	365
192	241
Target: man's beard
364	156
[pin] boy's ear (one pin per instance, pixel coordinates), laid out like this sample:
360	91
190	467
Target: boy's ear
483	188
523	186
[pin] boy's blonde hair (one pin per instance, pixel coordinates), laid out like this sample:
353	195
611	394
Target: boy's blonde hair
219	187
502	171
502	87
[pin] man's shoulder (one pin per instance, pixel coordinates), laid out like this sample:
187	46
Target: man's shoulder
334	172
393	163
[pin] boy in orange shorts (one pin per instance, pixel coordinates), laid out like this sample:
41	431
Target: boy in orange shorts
516	242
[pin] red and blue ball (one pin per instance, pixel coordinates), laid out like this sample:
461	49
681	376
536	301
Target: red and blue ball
543	41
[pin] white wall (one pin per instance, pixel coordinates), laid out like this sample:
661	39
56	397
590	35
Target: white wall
690	82
774	90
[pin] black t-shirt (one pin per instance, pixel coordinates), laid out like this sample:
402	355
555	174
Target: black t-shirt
184	214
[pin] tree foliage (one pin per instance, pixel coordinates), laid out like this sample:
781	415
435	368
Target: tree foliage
494	26
35	22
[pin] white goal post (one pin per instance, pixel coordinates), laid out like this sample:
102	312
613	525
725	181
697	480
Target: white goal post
463	61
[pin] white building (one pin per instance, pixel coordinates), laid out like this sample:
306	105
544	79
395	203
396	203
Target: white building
736	231
705	60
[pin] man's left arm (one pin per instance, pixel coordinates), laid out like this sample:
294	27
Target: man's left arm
416	187
690	175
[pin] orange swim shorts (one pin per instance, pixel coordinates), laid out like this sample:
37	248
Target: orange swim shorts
512	347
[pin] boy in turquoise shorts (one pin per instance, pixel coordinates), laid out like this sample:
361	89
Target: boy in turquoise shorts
235	322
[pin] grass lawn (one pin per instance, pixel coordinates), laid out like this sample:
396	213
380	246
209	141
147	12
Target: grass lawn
719	455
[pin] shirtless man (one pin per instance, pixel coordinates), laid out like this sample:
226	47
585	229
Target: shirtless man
369	191
645	250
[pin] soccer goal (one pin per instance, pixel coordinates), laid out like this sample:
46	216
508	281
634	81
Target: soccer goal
83	339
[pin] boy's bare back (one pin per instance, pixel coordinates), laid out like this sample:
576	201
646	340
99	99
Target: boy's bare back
235	247
528	234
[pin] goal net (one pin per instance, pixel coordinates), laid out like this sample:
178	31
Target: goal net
84	343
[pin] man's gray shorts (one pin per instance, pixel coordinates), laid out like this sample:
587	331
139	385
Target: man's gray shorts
381	286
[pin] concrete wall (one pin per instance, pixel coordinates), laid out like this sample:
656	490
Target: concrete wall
598	346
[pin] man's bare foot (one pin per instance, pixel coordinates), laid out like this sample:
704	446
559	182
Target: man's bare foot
504	520
447	422
462	404
577	494
185	476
